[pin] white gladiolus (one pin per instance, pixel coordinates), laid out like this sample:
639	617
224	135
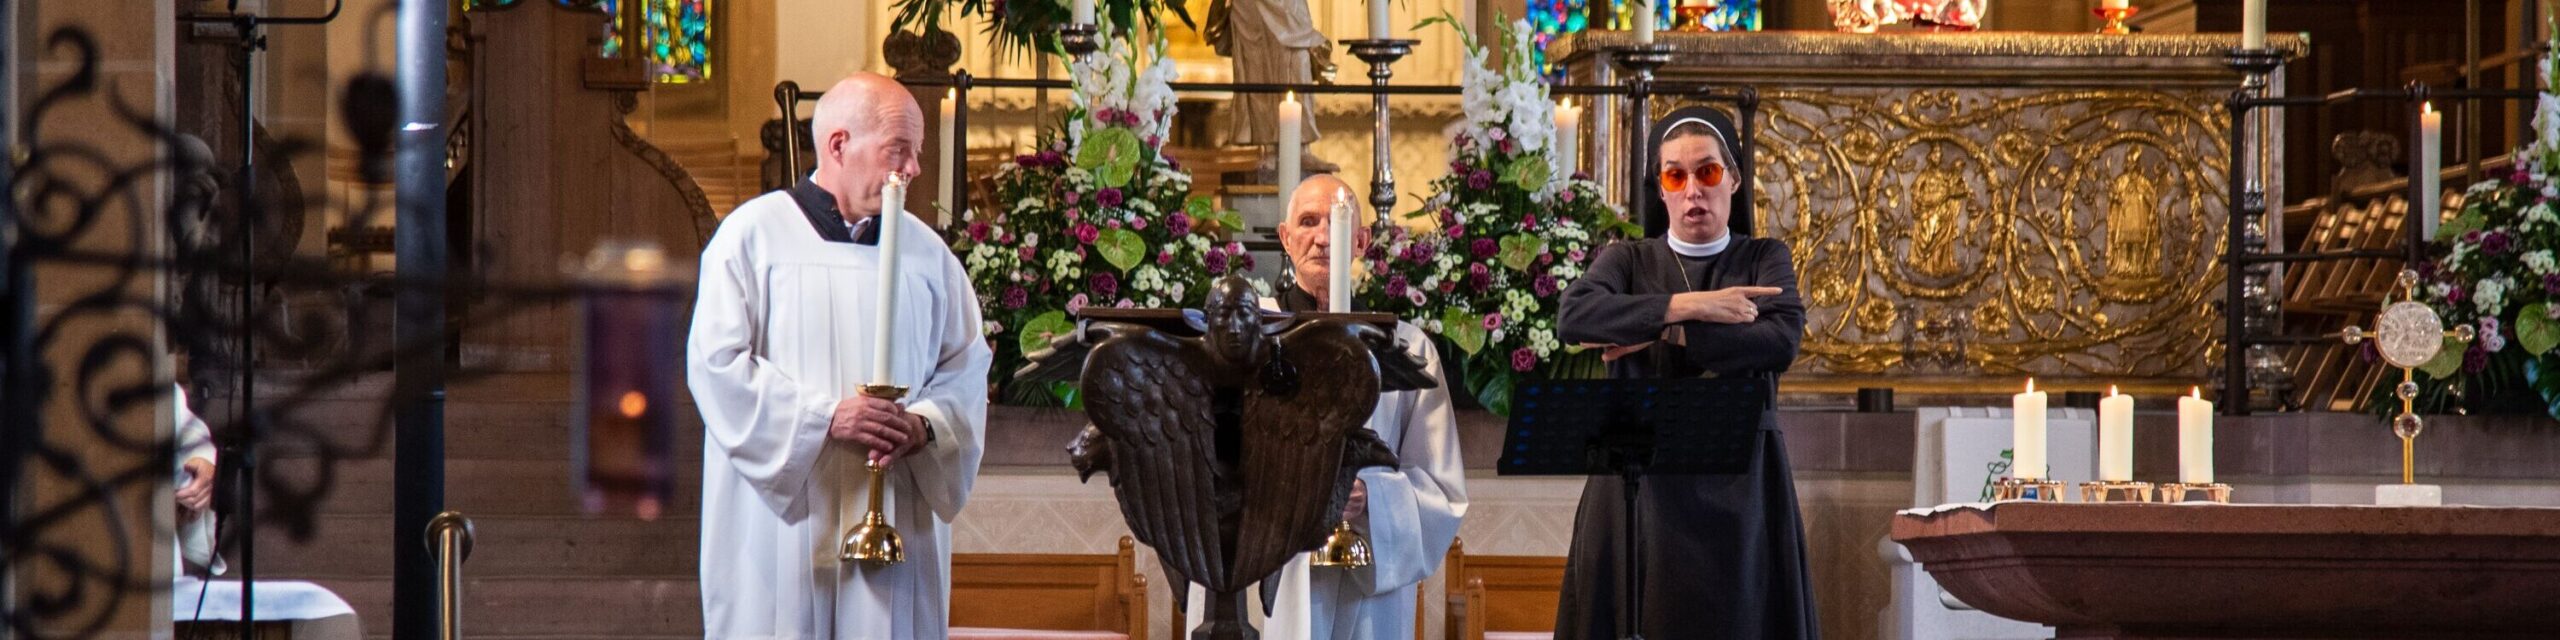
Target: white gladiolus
2540	262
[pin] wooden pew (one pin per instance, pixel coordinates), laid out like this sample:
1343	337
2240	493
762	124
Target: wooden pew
1500	597
1037	595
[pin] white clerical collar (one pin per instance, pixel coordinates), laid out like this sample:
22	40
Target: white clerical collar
1699	250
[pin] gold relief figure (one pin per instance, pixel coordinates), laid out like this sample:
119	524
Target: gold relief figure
1991	319
1876	316
1938	196
2133	225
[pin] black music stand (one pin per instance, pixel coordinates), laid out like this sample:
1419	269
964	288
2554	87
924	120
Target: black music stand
1632	429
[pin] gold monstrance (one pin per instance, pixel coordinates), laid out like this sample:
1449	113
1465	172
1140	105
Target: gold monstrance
2408	333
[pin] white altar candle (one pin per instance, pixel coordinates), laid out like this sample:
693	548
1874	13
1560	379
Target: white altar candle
2195	438
1568	135
2115	437
1289	115
1338	253
2253	24
2026	434
948	180
893	198
2430	171
1644	20
1083	11
1378	19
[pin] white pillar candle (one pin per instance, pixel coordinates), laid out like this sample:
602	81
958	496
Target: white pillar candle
948	179
2430	171
2253	24
1083	11
1568	135
1378	19
1289	144
1339	252
2115	437
2195	438
2026	434
1644	20
893	198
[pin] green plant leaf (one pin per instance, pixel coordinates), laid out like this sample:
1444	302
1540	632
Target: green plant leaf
1121	247
2446	362
1465	330
1520	251
1037	334
1495	392
1529	173
1111	153
2535	330
2543	376
2470	220
1200	208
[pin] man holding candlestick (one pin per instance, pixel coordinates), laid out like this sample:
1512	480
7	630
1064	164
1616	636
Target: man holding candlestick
1723	555
790	321
1409	513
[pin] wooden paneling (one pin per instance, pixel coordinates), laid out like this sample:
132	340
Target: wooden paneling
1489	594
1051	592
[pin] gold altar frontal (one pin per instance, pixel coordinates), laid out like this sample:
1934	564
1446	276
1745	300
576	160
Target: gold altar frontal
1969	209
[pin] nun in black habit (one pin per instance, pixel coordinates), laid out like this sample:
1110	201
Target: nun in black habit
1723	555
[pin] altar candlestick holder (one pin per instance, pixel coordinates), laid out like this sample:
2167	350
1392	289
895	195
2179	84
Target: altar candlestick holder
2115	492
1381	56
2176	492
1078	39
2006	489
2115	17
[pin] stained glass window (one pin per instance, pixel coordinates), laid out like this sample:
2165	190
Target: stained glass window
679	39
612	28
1551	19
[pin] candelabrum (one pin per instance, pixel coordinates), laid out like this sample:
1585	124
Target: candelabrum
872	541
1077	39
2254	292
1381	56
1640	61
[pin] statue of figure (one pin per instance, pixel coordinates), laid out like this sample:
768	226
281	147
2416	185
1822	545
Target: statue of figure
1938	198
2133	226
1231	434
1271	41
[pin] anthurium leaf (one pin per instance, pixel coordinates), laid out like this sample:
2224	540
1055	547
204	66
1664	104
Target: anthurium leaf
2446	362
1111	153
1121	247
1043	328
2535	330
1520	251
1464	329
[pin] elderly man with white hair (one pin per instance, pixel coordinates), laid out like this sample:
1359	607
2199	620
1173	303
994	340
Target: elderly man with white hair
775	359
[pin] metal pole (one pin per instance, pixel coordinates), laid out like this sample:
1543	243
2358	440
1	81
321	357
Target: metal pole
960	148
418	468
17	306
2235	343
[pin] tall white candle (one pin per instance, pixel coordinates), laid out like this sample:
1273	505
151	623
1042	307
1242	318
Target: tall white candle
1339	252
1569	135
2430	171
1289	144
2026	434
1378	19
1083	11
948	180
2115	437
1644	20
2195	438
2253	24
893	198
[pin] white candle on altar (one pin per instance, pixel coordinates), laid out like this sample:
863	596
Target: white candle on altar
2430	171
1083	11
2253	24
2195	438
2026	434
1289	144
893	198
1644	20
948	180
1378	19
2115	437
1339	252
1568	135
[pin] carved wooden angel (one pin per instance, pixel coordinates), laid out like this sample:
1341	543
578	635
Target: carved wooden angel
1231	433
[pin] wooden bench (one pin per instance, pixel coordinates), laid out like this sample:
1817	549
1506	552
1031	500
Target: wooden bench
1035	595
1500	597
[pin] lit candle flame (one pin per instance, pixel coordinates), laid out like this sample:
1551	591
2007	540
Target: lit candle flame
2198	392
2031	385
2111	390
633	403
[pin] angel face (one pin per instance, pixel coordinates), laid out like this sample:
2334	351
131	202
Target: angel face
1234	318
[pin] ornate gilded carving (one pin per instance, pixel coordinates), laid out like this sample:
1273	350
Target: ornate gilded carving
2062	233
2207	46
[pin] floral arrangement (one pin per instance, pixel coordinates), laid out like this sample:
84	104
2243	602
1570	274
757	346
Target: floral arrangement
1026	26
1097	215
1504	236
2498	273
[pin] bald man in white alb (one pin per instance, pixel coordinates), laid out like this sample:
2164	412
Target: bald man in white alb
787	296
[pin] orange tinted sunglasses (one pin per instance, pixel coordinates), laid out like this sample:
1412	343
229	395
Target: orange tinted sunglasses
1677	179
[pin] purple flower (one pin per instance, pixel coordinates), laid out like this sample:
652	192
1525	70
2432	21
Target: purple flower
1103	284
1015	297
1138	223
1577	175
1029	253
1074	214
2495	243
1395	286
1245	259
2455	295
1154	141
1576	255
1377	252
1544	286
1492	321
2551	285
1164	257
1115	224
2471	237
1545	259
1480	180
1055	157
1510	145
978	231
2475	359
1086	232
1460	168
1178	224
1109	197
1494	133
1523	359
1076	304
1565	195
1479	278
1216	261
2369	353
2489	336
1528	221
1026	160
1448	286
1125	303
1485	248
1464	140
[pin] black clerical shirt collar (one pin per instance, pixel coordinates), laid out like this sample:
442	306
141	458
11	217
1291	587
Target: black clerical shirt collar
1296	300
820	207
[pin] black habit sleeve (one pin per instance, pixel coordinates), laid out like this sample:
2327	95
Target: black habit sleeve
1765	345
1602	306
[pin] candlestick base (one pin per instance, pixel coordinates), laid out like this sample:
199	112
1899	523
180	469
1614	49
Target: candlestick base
2254	62
1380	52
2109	491
2408	495
2016	489
2175	492
890	392
1077	39
1641	60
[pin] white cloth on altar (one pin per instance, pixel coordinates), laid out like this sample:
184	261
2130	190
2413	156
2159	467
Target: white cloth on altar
781	333
194	599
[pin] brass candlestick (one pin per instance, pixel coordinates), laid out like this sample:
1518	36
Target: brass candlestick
2109	491
874	542
2408	333
2016	489
2176	492
1344	548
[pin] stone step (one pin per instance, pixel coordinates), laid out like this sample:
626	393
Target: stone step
548	607
479	487
503	547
